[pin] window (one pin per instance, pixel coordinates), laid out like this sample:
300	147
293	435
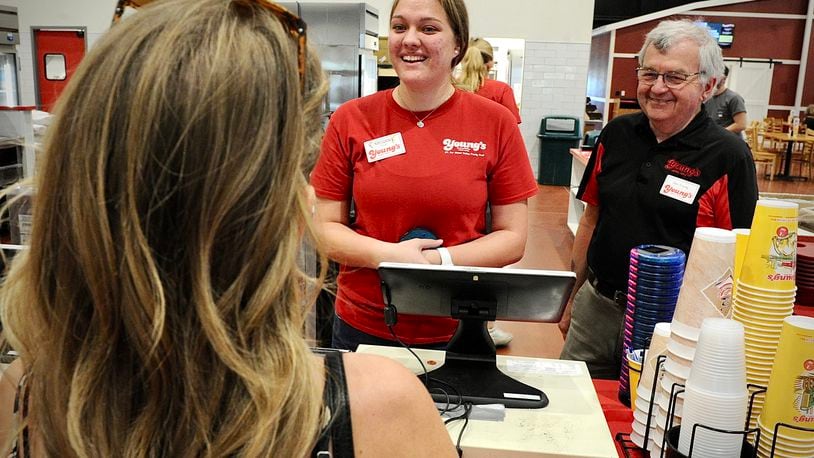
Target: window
55	67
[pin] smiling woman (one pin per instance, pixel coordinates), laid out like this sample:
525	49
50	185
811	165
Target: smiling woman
449	154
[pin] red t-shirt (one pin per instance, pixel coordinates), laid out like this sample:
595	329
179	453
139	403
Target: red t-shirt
469	151
501	93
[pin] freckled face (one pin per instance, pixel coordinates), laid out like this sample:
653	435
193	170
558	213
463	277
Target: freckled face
671	109
421	43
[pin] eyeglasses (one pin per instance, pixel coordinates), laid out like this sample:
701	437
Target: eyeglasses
673	80
294	24
296	28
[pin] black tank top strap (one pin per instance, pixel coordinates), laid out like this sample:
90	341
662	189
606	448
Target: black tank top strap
336	438
22	448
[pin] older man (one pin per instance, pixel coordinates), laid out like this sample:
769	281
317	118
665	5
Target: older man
653	177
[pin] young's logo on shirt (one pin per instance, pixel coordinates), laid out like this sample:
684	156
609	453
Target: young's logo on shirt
680	169
464	148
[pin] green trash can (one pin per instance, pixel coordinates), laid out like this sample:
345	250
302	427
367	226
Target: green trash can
557	135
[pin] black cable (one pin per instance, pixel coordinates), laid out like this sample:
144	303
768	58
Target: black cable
427	379
465	417
426	374
390	320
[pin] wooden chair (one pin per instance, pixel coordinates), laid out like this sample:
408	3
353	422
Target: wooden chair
773	125
762	156
804	156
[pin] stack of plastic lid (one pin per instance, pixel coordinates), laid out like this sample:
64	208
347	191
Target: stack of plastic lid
805	271
654	281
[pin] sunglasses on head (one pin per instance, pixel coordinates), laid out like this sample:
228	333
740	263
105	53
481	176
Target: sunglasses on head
294	24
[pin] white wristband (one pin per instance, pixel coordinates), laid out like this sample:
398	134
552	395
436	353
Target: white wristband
446	258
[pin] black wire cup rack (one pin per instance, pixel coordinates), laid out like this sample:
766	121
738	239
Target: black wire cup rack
669	443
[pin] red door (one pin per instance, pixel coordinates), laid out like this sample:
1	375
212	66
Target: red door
58	54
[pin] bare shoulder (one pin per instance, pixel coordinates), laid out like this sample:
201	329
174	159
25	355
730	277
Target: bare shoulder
377	376
9	381
389	405
10	376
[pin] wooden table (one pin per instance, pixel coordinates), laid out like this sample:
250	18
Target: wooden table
790	141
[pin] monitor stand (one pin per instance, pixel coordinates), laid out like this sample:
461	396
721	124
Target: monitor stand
471	368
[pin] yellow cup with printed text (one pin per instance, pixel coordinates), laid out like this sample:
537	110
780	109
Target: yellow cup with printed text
741	242
790	394
771	252
634	364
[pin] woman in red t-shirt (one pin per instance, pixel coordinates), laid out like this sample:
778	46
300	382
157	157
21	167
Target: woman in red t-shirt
475	67
423	155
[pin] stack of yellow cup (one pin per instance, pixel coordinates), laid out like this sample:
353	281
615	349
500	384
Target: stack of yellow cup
764	290
790	395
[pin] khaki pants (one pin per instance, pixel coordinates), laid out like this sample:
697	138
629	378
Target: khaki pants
595	335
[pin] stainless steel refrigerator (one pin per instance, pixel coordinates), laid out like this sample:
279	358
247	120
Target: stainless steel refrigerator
346	37
9	69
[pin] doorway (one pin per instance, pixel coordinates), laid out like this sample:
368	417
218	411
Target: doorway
57	53
753	81
508	55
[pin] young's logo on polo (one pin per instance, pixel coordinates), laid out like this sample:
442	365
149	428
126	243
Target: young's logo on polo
681	169
464	148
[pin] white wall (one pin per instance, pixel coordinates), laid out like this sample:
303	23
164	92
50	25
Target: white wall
557	34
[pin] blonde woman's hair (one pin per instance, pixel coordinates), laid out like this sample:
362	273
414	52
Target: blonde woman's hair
473	65
159	310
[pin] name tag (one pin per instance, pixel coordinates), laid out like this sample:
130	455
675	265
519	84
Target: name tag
384	147
679	189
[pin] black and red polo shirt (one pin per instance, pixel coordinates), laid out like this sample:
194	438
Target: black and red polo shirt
650	192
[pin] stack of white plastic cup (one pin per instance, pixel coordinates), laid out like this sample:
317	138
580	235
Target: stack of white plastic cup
644	393
705	293
680	354
715	393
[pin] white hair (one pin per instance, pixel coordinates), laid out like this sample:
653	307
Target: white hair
669	33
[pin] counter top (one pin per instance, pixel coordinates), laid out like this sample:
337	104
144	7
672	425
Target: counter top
581	155
572	425
17	108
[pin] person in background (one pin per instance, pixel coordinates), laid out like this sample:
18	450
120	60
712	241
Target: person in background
810	117
653	177
159	310
475	67
416	160
726	107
